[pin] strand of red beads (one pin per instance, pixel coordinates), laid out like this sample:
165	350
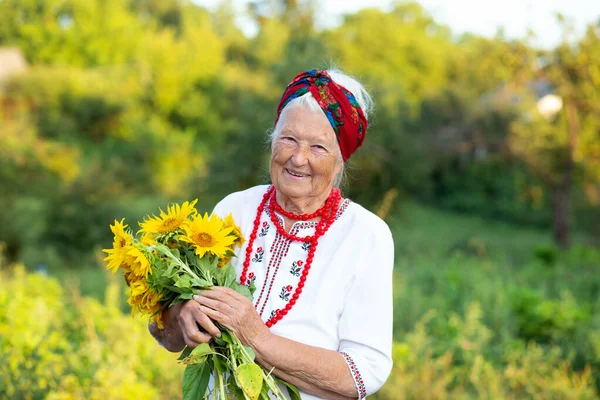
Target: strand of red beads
327	213
304	217
321	227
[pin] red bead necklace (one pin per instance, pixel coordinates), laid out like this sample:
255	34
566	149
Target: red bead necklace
327	214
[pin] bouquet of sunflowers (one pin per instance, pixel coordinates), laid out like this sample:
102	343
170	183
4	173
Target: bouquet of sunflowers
172	257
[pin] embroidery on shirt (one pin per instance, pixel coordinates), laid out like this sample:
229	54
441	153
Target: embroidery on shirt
251	279
285	292
358	380
273	314
258	257
311	224
279	255
264	229
296	267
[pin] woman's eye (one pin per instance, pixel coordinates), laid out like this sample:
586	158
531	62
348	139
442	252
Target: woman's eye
288	139
318	147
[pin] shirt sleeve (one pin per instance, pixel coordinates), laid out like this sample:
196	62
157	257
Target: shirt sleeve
365	329
220	209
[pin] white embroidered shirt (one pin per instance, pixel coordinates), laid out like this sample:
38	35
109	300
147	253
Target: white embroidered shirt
346	303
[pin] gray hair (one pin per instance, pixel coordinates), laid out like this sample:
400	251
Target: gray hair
310	103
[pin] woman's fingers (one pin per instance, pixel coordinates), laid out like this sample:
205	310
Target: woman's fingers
215	304
187	318
206	322
221	293
217	316
191	334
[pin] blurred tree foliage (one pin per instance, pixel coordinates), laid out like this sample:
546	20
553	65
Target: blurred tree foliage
136	102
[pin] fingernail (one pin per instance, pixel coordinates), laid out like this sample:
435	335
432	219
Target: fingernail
195	297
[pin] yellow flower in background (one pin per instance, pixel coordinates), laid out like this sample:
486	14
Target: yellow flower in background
137	262
237	232
175	218
122	241
208	235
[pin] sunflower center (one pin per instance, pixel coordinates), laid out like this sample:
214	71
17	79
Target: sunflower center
203	239
170	224
121	242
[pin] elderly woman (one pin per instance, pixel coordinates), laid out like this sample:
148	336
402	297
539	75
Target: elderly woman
322	265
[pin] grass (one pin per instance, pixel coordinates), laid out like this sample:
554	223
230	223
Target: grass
449	264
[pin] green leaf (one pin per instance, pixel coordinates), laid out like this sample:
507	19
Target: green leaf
198	354
250	352
172	269
234	389
219	342
179	290
292	390
201	283
195	381
185	353
221	364
264	392
184	281
162	248
252	288
242	289
186	296
226	336
230	276
250	378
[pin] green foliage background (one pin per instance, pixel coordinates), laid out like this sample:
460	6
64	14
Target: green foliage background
129	104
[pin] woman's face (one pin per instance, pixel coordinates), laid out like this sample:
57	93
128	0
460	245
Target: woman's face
305	161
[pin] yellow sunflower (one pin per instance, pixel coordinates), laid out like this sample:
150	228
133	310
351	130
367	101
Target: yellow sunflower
147	239
137	262
175	217
144	300
237	232
122	238
116	258
208	235
223	262
157	318
122	241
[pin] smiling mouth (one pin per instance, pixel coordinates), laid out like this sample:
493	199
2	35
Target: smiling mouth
296	174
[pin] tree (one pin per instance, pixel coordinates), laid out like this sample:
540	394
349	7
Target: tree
565	149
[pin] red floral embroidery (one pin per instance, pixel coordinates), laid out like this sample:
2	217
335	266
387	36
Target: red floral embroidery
296	267
265	229
358	380
285	292
258	257
278	252
251	279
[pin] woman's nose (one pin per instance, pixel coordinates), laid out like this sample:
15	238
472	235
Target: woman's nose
300	156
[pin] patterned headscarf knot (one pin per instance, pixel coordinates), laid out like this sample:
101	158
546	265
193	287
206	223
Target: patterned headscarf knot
339	105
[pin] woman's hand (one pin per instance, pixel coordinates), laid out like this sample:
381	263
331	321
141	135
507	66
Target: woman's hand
234	311
182	324
190	318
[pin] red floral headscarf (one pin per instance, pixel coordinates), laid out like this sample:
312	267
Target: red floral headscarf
339	105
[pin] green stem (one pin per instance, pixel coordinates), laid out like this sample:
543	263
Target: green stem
180	263
267	377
